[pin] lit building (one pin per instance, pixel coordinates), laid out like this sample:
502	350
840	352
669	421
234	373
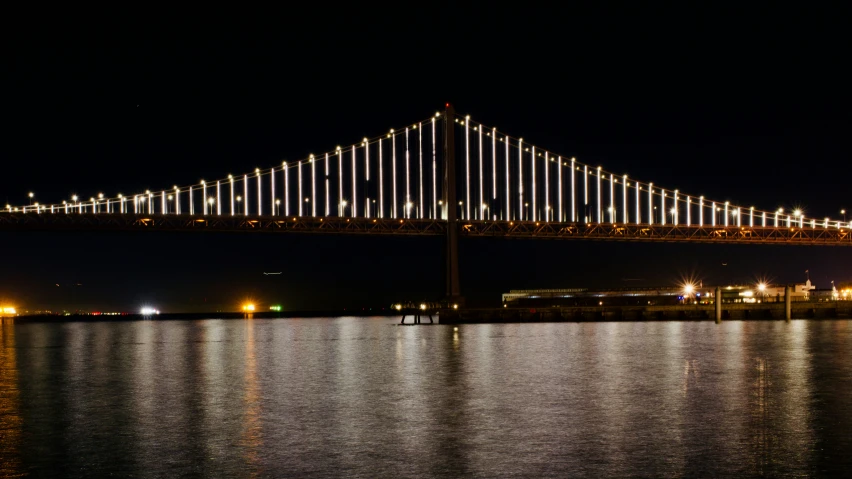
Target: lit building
689	294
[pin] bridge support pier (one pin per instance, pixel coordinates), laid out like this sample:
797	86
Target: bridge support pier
718	303
788	307
450	214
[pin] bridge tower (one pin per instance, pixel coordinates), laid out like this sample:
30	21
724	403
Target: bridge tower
450	212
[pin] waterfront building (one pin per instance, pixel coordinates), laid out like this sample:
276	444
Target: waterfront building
683	294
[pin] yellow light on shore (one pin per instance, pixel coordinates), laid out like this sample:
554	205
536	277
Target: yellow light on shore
248	307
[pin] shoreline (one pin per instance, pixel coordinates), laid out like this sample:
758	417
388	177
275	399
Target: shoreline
90	318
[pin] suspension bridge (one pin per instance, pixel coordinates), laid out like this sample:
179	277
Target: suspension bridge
444	175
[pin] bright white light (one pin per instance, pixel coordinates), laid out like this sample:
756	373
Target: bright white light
407	175
611	198
481	187
600	218
714	210
638	205
467	168
674	207
381	186
494	163
688	211
327	189
586	187
393	172
434	174
354	188
287	186
573	206
520	178
532	162
148	311
546	185
259	194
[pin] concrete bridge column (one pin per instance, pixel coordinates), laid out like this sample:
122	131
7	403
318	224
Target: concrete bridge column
718	302
788	309
449	213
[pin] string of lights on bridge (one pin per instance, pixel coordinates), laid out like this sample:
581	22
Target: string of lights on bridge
399	175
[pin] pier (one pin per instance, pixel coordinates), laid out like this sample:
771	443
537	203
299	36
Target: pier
735	311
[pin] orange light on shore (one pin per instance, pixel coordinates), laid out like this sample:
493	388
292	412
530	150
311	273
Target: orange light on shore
8	310
248	307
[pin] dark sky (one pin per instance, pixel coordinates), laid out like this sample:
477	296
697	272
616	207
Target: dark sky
751	106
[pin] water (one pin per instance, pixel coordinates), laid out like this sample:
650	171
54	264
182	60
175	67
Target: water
356	397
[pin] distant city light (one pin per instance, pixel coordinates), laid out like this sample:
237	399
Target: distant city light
248	307
148	311
276	307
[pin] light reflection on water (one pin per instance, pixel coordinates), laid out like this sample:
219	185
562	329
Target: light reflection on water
365	398
10	412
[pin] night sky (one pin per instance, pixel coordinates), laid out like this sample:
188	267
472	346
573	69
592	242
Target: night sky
752	107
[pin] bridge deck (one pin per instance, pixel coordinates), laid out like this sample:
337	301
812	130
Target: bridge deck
373	226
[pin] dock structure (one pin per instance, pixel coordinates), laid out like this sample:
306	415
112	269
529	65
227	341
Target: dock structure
764	311
418	310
